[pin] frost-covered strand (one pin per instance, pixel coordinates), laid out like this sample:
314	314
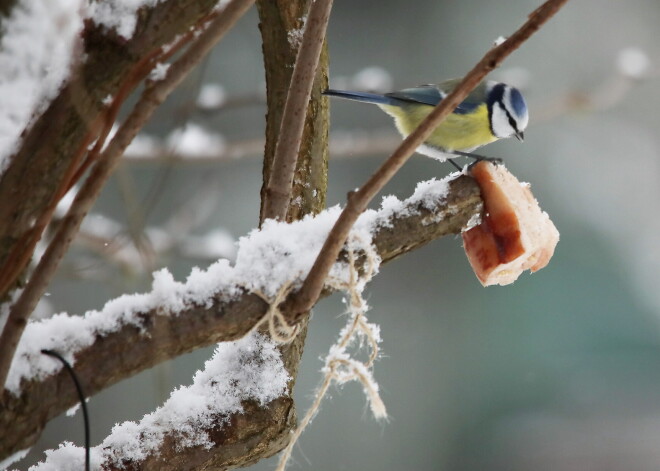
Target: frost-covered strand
267	259
248	369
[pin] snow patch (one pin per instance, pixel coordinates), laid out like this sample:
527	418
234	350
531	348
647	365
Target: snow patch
159	72
18	456
295	35
499	40
248	369
36	52
120	15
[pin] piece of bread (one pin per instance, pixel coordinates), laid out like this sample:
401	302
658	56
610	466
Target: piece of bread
514	235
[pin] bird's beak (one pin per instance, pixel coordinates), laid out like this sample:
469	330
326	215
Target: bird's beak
520	136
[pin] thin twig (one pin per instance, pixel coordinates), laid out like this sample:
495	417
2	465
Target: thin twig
358	200
152	97
278	191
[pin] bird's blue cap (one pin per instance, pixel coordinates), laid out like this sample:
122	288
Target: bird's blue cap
518	102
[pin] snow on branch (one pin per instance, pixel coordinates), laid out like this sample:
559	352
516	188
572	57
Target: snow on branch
134	332
249	369
36	51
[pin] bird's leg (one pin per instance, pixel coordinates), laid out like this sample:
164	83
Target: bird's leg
477	157
451	161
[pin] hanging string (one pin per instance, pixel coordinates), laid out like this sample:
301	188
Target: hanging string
340	367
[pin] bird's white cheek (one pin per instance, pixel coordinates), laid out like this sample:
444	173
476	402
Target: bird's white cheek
500	122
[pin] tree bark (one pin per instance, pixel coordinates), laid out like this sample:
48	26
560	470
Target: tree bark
278	18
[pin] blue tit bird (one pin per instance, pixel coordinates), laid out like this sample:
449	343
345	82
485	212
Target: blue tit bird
492	111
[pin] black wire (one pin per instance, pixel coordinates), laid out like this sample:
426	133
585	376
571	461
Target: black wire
81	396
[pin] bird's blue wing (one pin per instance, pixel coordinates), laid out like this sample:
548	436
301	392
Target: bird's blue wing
432	95
425	95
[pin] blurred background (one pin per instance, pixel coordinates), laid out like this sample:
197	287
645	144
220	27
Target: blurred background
559	371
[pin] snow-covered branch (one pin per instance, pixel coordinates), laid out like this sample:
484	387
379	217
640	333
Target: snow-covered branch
187	431
135	332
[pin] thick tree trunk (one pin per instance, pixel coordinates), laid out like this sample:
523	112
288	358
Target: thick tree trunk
280	26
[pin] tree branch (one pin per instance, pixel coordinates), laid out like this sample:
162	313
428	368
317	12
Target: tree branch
50	148
234	441
302	301
151	99
130	349
279	188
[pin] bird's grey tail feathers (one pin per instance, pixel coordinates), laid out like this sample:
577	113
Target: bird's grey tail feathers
363	96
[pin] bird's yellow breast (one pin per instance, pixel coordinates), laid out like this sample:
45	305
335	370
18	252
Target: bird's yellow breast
463	132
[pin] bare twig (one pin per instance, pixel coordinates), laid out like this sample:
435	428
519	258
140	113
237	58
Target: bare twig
358	200
278	191
108	160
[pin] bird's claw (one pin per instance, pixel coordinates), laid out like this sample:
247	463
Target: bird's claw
493	160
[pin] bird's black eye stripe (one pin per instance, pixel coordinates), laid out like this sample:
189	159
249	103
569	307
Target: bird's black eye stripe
512	121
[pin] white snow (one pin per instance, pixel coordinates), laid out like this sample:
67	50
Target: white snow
35	57
72	410
499	40
211	96
266	260
295	35
633	62
195	141
19	455
427	194
159	72
120	15
68	457
278	253
248	369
